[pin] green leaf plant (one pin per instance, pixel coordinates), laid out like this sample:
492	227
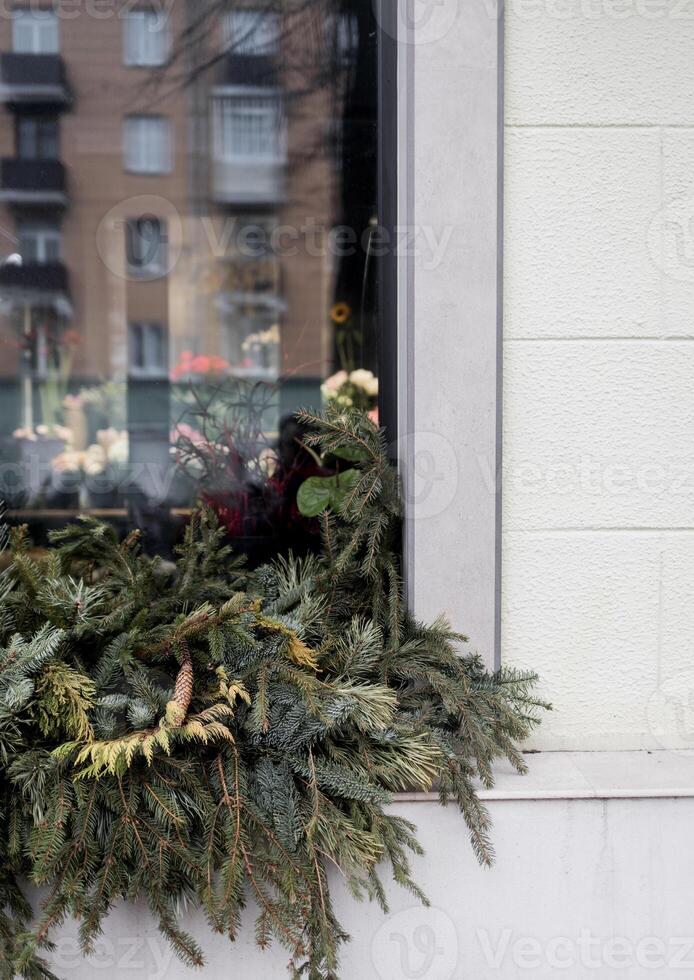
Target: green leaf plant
320	493
202	735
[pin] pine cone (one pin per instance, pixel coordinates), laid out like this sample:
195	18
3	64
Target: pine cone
183	690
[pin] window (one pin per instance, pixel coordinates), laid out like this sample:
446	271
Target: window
146	38
35	32
37	138
147	357
147	144
342	35
250	340
39	242
249	127
253	32
218	246
145	244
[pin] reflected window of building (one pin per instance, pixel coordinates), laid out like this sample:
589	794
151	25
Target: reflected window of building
39	241
35	31
248	127
147	144
37	137
146	246
252	32
43	343
146	37
147	350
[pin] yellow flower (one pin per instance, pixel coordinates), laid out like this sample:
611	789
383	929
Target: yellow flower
341	312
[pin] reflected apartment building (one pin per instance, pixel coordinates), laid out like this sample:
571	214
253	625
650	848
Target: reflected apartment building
166	177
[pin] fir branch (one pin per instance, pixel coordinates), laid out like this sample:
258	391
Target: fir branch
199	734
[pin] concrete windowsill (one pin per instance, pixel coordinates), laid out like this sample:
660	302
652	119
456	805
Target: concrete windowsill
591	776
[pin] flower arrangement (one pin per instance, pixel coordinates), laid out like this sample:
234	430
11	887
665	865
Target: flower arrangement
103	404
54	432
356	389
109	450
37	448
205	365
262	350
100	470
247	476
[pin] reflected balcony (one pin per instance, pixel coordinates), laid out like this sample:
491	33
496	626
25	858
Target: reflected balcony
249	147
44	284
242	183
38	183
34	80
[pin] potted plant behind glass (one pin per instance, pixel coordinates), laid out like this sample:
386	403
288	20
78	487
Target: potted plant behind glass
226	447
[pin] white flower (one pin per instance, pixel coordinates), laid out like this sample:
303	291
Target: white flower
365	380
118	453
106	437
266	463
112	445
263	338
94	461
93	468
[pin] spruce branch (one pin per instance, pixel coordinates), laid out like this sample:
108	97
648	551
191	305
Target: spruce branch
203	734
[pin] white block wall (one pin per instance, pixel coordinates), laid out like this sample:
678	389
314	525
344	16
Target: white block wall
599	367
566	899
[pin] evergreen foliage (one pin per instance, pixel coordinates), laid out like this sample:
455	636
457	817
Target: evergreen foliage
199	734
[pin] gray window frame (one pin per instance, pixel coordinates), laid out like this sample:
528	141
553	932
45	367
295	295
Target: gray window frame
450	322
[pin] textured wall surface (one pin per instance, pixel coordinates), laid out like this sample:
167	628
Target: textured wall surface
599	367
565	899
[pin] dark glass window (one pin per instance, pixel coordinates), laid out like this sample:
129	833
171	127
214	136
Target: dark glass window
37	138
146	246
147	351
39	241
195	263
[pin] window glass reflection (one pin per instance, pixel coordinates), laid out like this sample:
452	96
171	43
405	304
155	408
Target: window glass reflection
187	201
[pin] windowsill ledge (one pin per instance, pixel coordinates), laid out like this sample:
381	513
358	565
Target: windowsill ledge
591	776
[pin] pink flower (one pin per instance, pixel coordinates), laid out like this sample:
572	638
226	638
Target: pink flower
188	363
68	462
185	431
335	382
